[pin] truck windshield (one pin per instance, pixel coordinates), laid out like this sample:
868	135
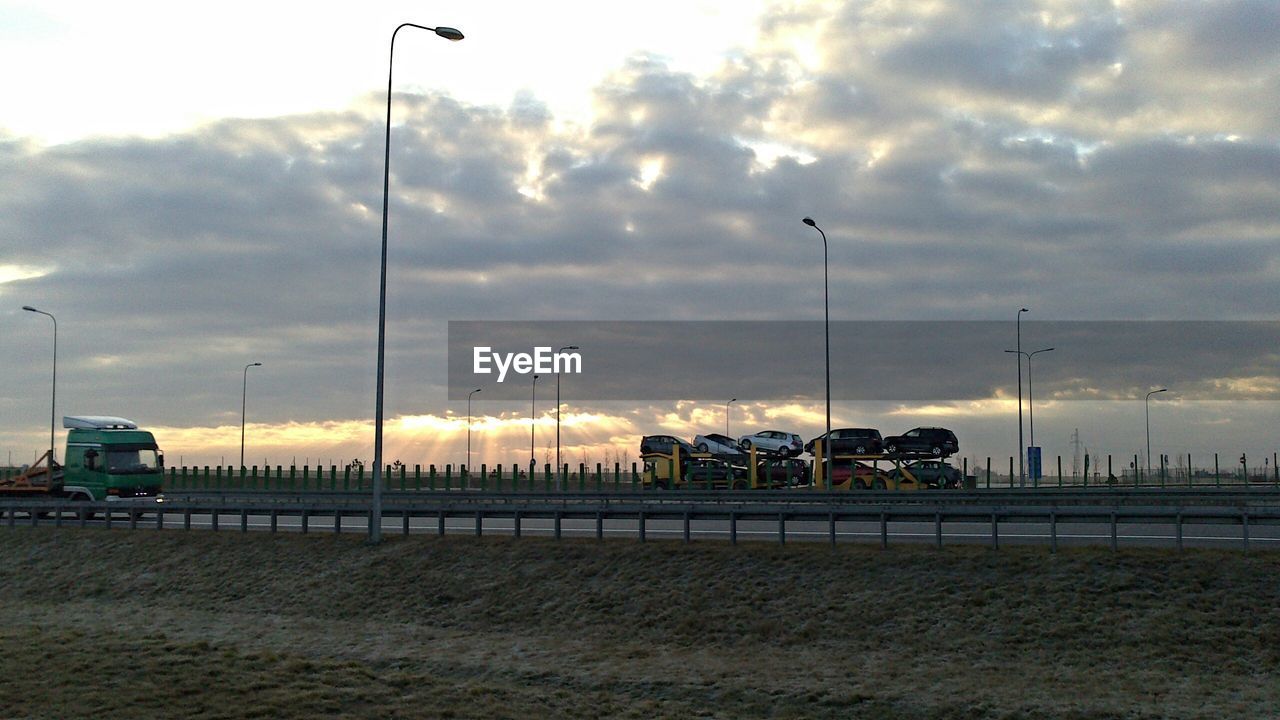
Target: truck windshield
132	462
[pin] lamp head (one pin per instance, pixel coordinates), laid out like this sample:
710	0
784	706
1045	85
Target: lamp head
28	308
570	347
809	221
449	33
477	390
257	365
1024	310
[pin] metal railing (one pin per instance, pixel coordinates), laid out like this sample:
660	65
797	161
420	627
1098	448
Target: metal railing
640	512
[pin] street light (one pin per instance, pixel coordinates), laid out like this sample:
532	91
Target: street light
243	395
473	392
726	416
1148	404
558	465
1031	406
533	428
53	403
1022	475
375	513
826	315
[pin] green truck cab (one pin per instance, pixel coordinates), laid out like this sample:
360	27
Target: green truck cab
109	458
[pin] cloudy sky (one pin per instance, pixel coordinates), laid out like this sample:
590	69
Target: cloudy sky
192	187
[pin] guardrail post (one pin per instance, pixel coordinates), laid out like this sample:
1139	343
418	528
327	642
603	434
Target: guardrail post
733	527
133	519
1053	532
937	529
1178	525
515	522
306	520
244	520
599	525
557	524
84	516
337	522
404	517
479	523
640	524
274	513
831	528
782	528
159	519
186	519
1114	534
995	532
440	522
1244	529
686	527
213	518
884	531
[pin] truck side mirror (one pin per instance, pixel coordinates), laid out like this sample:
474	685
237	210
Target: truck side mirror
90	459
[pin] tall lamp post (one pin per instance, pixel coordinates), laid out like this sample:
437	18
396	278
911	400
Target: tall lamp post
473	392
53	402
375	513
244	394
1022	473
559	466
726	416
533	427
1148	404
1031	405
826	316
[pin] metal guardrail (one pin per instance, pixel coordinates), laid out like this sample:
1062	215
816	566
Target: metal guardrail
60	513
1253	497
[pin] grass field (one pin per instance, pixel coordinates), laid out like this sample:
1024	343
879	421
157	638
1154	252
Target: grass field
114	624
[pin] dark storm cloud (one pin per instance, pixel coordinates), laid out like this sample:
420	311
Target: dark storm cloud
961	166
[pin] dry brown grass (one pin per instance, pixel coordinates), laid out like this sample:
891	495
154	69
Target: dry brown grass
141	624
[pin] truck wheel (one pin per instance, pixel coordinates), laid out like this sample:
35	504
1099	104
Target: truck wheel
878	484
703	447
860	450
740	485
891	449
936	450
746	445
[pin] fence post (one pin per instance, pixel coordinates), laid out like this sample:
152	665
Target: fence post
988	472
